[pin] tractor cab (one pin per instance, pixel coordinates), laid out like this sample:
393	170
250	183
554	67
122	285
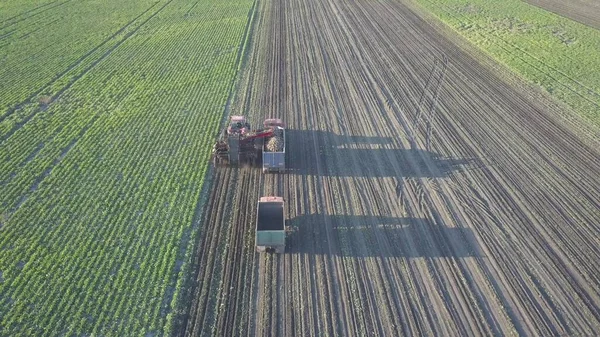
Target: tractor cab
238	125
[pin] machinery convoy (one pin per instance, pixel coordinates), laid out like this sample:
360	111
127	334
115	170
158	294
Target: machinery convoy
239	145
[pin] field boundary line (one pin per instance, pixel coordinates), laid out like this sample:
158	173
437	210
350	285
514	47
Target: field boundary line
558	110
556	11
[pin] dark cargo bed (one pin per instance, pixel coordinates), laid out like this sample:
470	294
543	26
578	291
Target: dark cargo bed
270	216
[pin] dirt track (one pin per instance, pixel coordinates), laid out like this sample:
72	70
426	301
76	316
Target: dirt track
491	229
584	11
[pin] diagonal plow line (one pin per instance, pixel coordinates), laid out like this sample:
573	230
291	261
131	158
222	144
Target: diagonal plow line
63	153
431	112
27	11
86	70
71	67
432	86
423	94
32	15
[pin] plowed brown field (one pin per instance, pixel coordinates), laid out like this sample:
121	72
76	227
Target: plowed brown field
476	216
584	11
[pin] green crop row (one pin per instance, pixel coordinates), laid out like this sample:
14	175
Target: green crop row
105	137
558	54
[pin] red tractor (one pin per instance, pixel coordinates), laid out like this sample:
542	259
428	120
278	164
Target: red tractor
238	144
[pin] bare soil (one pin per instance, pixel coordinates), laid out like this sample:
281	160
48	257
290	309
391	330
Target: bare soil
583	11
424	197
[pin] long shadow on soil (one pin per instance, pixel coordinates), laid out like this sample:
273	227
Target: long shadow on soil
363	156
364	236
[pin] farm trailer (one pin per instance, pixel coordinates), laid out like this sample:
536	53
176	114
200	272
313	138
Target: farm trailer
270	225
273	155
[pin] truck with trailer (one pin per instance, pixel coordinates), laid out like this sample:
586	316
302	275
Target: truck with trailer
273	154
270	225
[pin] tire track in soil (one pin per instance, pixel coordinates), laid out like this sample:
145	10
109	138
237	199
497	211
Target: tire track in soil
73	66
6	25
63	153
206	260
87	126
491	232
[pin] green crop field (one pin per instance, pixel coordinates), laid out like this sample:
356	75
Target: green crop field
108	111
559	54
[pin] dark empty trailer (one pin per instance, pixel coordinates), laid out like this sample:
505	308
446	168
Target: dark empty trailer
270	225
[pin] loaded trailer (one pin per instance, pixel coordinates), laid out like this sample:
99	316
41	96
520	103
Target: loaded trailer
270	225
273	152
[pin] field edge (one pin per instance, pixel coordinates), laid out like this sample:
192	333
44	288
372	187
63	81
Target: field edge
182	299
511	75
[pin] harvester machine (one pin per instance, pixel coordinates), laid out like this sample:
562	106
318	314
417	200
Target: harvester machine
238	144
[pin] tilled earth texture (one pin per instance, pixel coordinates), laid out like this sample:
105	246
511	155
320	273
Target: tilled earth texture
584	11
427	193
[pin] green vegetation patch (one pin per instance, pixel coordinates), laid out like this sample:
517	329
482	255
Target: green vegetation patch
107	117
560	55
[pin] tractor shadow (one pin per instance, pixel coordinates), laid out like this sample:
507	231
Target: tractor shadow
321	153
375	236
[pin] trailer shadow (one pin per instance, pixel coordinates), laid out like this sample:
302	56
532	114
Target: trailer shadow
323	153
375	236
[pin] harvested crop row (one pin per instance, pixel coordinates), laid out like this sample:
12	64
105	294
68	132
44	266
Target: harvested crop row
482	226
